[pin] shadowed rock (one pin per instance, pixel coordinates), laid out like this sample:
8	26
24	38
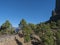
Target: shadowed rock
18	42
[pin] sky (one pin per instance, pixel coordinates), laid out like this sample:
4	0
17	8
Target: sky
33	11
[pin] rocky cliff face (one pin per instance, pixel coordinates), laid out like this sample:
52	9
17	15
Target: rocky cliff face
55	16
56	13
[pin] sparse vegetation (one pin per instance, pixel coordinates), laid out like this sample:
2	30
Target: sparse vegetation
49	33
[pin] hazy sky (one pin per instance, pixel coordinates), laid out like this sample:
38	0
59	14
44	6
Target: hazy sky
33	11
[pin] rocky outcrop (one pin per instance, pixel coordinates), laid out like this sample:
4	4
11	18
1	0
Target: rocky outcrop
13	40
56	13
8	40
55	18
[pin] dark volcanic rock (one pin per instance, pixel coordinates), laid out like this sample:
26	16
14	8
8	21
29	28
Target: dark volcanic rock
55	18
56	13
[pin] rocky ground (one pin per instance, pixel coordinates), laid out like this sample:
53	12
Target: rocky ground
12	40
